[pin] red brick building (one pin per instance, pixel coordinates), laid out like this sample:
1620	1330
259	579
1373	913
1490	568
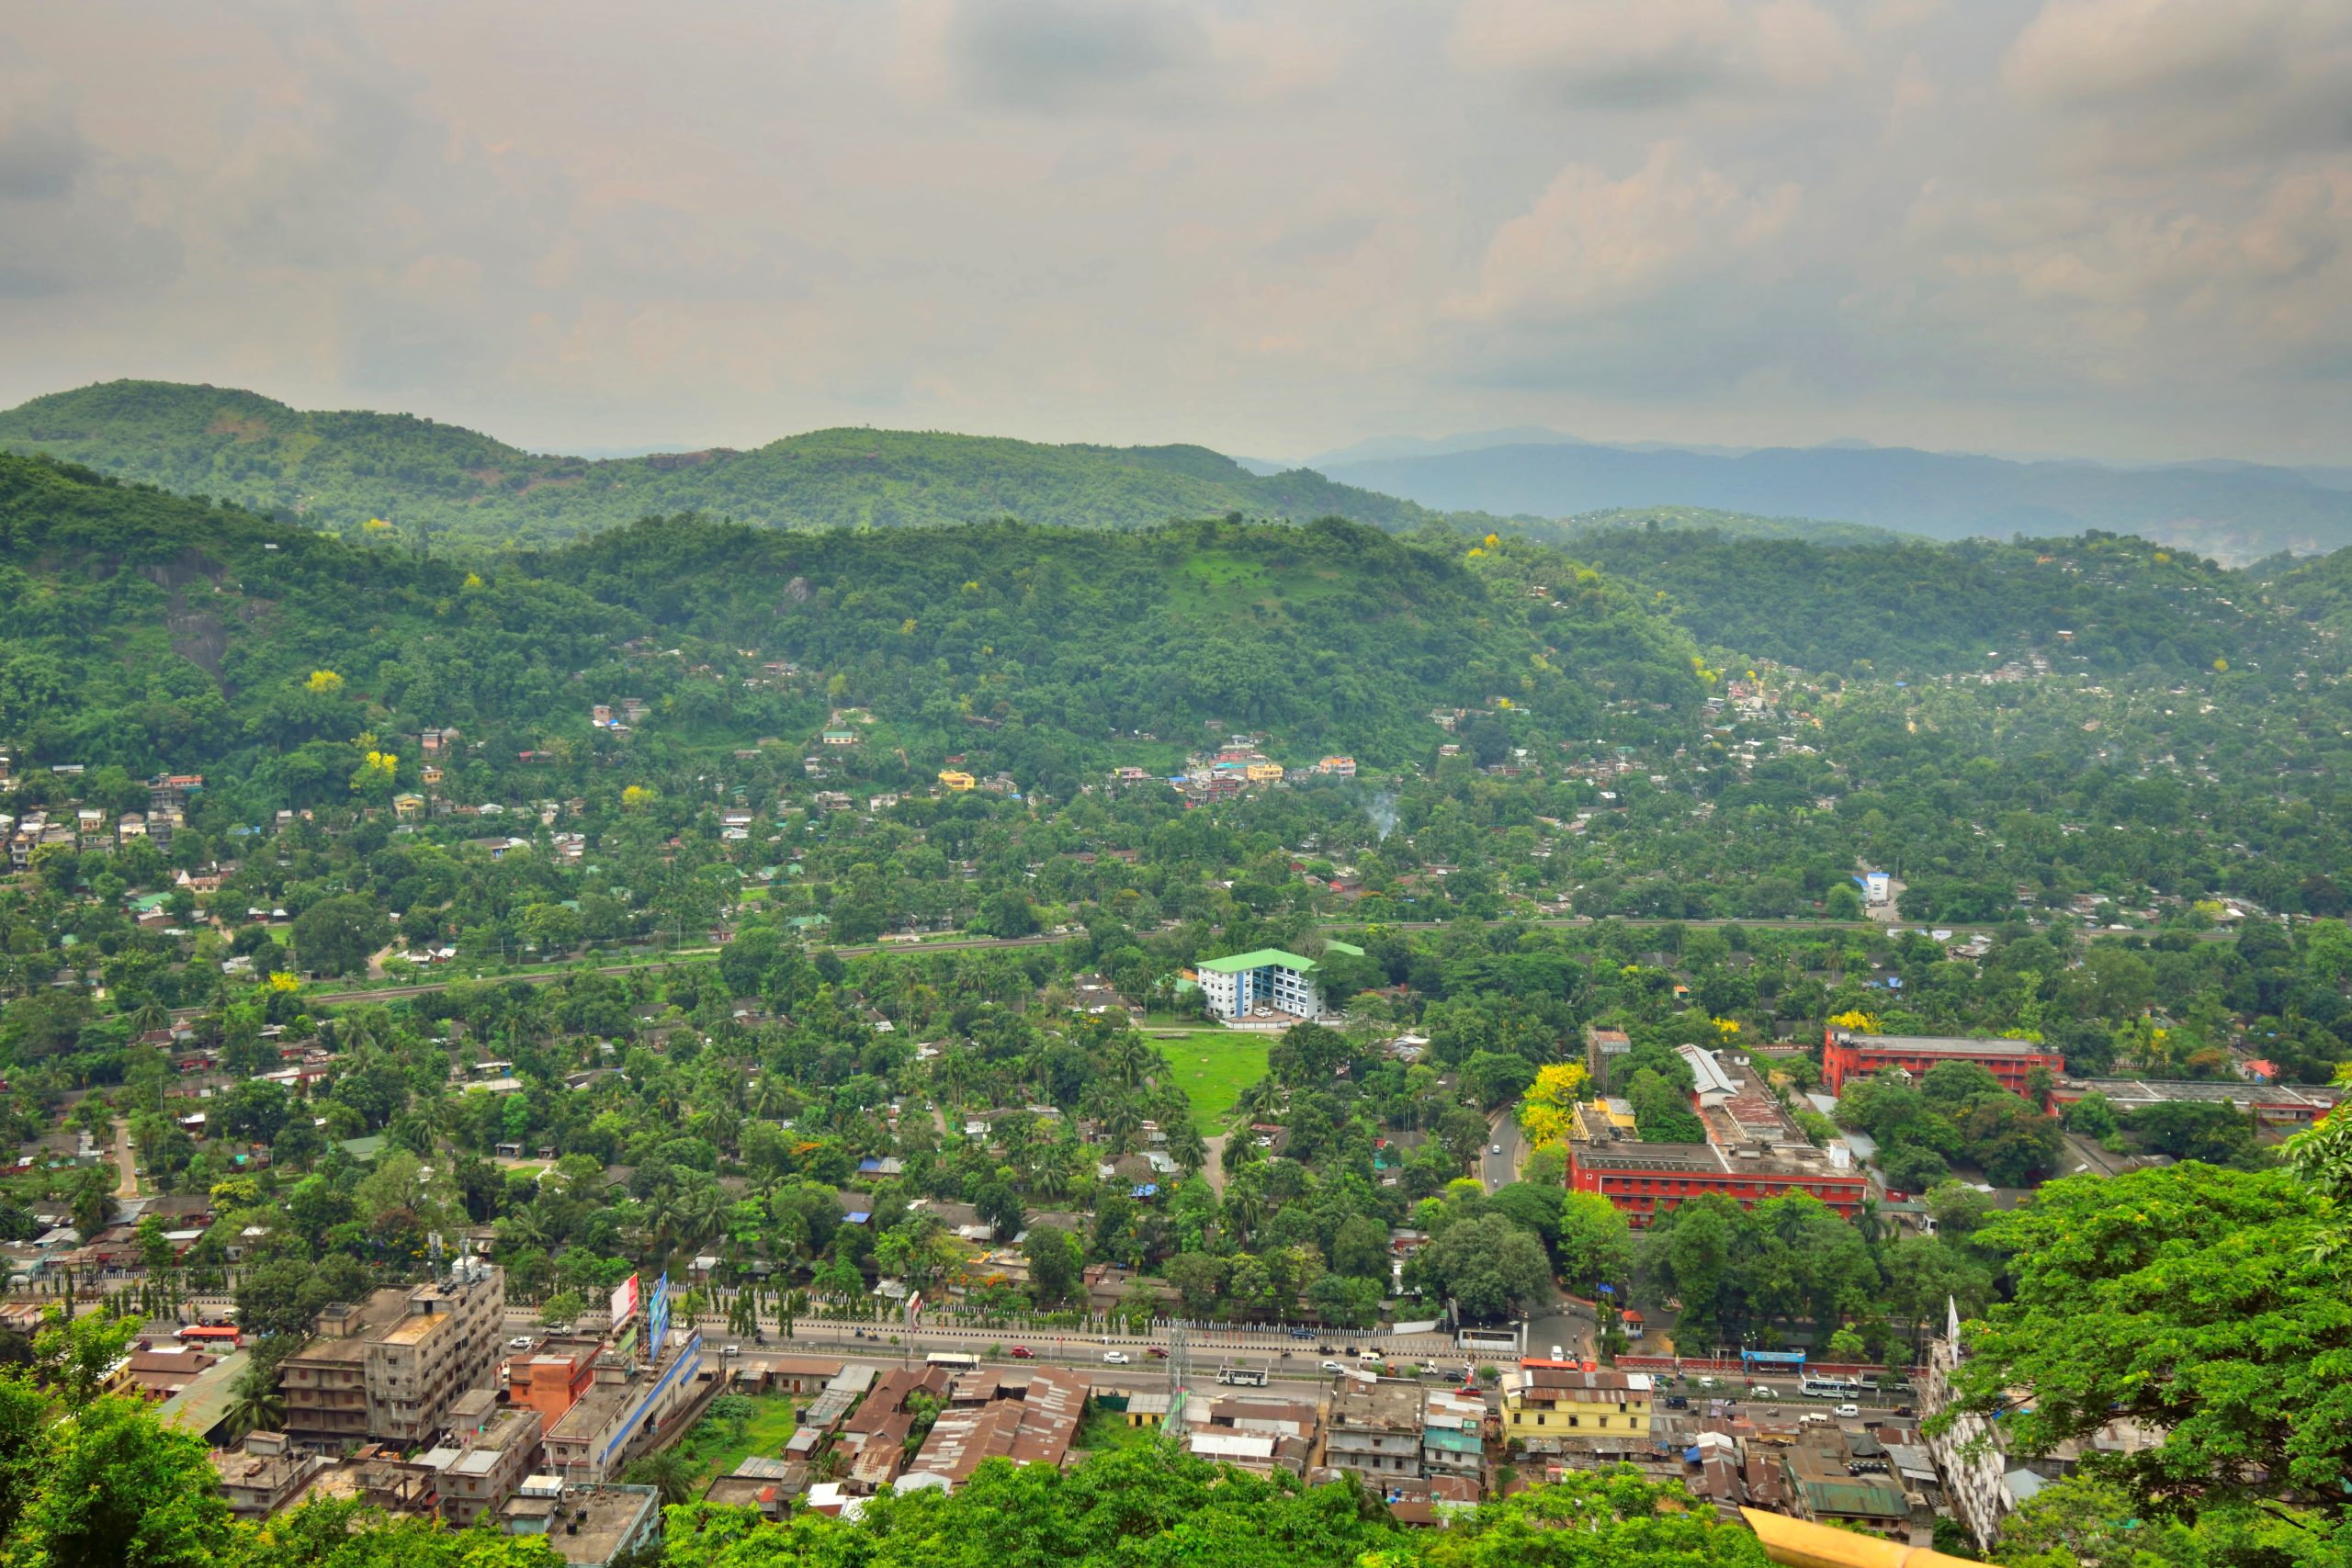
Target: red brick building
1752	1152
1645	1180
1845	1056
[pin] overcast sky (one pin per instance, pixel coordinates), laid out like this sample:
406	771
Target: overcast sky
2120	227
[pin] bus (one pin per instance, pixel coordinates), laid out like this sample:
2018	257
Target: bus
953	1360
1828	1388
223	1335
1242	1377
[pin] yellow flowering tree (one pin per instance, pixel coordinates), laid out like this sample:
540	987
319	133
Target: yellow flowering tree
636	797
324	682
372	779
1543	1110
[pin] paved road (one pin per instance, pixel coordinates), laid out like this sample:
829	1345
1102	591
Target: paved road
1501	1168
1211	1348
126	1163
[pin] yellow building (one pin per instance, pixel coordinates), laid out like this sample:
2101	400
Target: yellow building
1560	1399
1265	773
957	782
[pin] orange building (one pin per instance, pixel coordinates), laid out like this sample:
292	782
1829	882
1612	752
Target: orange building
550	1381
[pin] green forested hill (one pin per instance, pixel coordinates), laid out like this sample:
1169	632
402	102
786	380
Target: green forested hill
143	630
1917	607
439	482
2318	591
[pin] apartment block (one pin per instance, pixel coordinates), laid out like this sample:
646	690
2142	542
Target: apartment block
1268	984
1374	1431
390	1369
490	1467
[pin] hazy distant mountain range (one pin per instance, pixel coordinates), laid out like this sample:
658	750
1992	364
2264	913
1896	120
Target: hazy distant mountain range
2234	511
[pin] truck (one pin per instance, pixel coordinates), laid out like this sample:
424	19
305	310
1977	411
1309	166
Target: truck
1876	888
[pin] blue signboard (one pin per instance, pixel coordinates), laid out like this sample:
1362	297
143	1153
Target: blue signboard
657	1319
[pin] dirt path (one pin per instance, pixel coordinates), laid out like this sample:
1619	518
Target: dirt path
1214	1169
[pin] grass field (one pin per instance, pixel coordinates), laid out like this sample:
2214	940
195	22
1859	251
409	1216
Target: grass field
1099	1429
716	1445
1213	1068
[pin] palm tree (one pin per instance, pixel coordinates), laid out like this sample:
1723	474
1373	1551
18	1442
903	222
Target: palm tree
259	1405
770	1097
1121	1123
149	1016
661	1214
669	1473
1125	1062
700	1210
1245	1209
526	1227
955	1073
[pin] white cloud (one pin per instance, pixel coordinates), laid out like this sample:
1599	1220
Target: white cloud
1592	243
1269	225
1655	53
2154	83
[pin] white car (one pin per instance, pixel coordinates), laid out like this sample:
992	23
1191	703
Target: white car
1850	1410
1496	1150
1115	1357
1333	1366
521	1342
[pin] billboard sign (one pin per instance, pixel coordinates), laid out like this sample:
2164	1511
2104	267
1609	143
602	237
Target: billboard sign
657	1318
624	1301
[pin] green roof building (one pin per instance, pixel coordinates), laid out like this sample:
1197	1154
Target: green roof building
1268	985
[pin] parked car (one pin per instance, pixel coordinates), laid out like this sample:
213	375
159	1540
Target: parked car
1021	1353
1116	1358
1850	1410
